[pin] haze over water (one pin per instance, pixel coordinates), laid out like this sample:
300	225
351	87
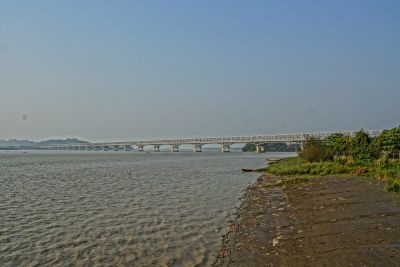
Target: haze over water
123	208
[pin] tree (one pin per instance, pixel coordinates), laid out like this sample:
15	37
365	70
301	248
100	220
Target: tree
339	142
361	148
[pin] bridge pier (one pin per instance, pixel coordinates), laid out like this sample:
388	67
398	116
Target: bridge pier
140	148
156	148
225	148
259	148
105	148
115	148
175	148
197	148
127	148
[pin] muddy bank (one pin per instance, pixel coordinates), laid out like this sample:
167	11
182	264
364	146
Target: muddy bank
328	221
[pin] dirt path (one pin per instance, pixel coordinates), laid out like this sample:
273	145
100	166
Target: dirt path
328	221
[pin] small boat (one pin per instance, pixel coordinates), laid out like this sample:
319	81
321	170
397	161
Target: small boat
248	170
272	159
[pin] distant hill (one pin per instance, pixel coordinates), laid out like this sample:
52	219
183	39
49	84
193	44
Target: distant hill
27	144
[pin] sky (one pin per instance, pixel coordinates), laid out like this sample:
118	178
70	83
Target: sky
132	70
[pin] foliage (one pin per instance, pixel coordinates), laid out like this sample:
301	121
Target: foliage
276	147
339	142
316	150
359	155
389	140
361	148
387	170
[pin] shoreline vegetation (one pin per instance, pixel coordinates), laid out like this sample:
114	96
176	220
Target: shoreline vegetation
325	207
344	155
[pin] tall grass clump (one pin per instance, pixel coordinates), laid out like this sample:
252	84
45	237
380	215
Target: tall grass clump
298	166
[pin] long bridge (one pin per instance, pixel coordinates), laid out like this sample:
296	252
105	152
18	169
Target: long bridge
198	143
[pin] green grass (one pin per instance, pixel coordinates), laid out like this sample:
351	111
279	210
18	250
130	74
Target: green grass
297	170
298	166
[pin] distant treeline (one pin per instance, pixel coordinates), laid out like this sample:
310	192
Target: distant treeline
273	147
21	148
15	144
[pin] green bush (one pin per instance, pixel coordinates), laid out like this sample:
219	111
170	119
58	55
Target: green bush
340	143
316	150
389	141
362	149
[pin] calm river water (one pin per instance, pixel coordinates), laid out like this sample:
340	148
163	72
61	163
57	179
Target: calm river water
118	208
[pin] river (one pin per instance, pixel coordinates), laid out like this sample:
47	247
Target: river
118	208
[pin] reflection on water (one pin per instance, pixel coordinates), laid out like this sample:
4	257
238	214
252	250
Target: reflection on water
122	208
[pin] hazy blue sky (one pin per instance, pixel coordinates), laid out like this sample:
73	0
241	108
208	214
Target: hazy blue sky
104	70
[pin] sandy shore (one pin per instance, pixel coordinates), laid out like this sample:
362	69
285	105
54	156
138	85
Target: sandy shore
328	221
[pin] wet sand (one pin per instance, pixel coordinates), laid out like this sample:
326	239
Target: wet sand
328	221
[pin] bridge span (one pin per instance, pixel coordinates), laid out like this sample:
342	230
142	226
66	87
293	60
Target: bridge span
198	143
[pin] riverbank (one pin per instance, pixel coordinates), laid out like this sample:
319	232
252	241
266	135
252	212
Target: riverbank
330	220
